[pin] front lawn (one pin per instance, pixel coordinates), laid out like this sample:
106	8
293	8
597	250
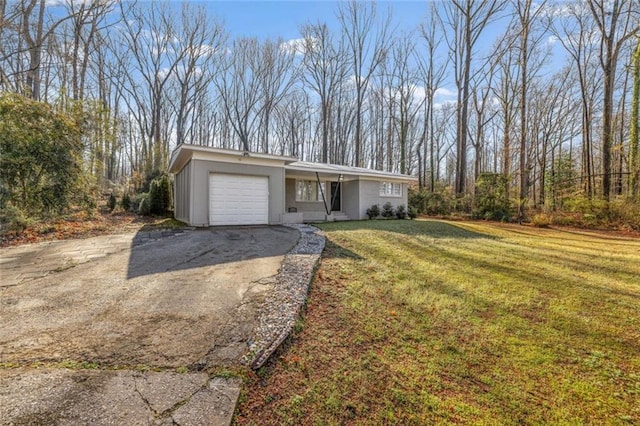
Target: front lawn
423	322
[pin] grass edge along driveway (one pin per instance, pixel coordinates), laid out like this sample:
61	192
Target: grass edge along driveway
422	322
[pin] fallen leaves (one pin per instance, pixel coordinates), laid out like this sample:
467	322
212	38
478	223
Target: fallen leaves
76	225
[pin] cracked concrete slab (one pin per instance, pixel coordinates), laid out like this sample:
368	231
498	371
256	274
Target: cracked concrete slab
177	302
89	397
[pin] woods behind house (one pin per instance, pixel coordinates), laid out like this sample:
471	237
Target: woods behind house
542	114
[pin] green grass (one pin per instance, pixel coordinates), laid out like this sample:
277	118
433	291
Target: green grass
421	322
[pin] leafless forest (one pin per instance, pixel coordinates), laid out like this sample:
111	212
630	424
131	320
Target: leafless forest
150	75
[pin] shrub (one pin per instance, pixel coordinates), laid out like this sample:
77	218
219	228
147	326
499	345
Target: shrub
401	212
387	210
41	163
491	201
373	211
144	206
596	213
160	200
412	213
439	202
125	203
144	182
12	219
541	220
112	203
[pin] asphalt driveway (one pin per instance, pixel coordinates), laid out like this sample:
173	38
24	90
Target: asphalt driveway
133	307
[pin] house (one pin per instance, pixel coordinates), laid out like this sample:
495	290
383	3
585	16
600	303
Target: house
216	186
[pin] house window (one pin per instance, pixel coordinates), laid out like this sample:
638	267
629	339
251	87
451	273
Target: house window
309	190
390	189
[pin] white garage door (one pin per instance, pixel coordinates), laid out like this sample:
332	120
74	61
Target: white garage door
238	200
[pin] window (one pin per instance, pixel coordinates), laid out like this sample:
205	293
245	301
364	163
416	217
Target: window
309	190
390	189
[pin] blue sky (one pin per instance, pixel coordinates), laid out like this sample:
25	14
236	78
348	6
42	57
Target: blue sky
275	19
282	19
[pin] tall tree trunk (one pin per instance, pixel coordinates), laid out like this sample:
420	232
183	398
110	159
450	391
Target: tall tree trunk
634	152
524	61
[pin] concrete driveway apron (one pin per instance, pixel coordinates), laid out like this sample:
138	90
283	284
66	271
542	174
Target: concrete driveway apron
129	329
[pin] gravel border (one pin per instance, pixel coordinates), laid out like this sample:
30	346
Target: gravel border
280	311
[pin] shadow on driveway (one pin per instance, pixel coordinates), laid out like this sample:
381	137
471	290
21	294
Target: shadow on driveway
207	247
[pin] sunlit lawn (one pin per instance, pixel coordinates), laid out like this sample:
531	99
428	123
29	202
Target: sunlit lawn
420	322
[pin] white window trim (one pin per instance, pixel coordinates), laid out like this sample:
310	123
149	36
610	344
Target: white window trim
390	189
318	193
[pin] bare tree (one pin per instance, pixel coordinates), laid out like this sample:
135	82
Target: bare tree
325	68
505	91
239	88
467	20
526	20
616	22
367	42
483	113
148	34
432	74
201	41
277	76
402	84
634	145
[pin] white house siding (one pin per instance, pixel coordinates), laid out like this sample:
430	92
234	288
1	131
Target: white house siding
350	199
370	195
311	211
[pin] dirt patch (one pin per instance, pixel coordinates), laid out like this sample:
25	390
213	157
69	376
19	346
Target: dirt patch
77	225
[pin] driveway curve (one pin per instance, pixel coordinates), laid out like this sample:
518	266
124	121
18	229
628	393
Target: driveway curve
137	308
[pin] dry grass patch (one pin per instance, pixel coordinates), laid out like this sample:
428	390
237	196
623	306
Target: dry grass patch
421	322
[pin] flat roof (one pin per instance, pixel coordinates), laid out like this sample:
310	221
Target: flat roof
185	152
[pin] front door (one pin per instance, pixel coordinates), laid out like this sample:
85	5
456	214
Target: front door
336	197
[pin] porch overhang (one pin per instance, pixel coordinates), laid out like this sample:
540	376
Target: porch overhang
333	172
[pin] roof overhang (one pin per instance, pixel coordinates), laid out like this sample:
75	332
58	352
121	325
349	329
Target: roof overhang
293	168
303	169
185	153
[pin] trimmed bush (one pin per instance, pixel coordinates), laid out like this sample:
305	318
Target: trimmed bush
387	210
373	211
160	200
401	212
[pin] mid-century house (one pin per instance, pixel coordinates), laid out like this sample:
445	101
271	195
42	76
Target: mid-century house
216	186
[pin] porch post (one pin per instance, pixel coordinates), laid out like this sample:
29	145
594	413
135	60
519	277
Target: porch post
324	201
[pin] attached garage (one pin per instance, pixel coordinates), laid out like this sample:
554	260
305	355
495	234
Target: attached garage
238	199
219	187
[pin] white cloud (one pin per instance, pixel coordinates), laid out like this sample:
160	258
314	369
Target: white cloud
552	40
443	92
296	46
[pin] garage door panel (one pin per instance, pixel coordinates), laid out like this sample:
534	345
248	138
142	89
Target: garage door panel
238	199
